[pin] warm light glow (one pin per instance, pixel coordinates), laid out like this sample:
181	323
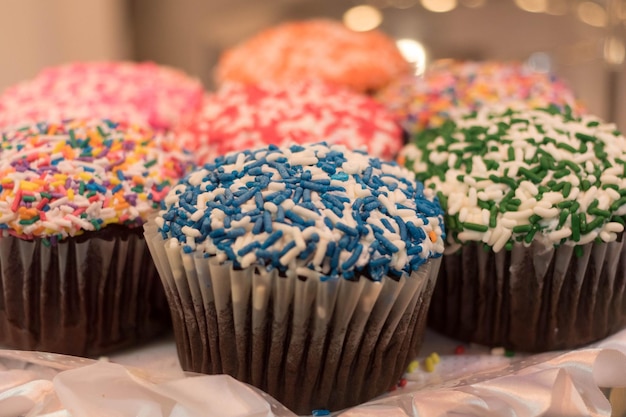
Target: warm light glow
473	4
439	6
539	62
362	18
557	7
592	14
614	51
533	6
413	52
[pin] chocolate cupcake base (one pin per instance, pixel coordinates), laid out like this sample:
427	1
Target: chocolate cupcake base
84	296
534	298
310	344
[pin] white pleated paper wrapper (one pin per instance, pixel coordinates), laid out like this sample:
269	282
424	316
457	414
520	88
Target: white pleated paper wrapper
309	343
571	383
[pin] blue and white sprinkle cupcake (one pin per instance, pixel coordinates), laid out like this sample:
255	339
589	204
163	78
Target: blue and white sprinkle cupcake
306	271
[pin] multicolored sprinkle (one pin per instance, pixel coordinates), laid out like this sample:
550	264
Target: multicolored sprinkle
240	116
521	175
316	210
450	88
137	93
317	48
60	180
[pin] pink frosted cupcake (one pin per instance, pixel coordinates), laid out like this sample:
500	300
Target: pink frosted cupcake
240	116
139	93
318	48
449	88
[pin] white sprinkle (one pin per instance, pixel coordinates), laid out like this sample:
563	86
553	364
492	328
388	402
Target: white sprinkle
191	232
546	212
557	235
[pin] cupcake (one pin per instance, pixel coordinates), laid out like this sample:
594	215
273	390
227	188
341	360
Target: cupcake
317	48
535	203
137	93
305	271
449	88
240	116
77	277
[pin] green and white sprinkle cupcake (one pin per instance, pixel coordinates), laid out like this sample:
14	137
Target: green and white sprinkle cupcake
535	203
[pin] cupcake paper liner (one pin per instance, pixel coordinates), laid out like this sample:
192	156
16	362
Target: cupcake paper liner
308	343
85	296
534	298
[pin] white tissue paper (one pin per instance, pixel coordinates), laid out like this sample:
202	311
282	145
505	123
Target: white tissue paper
580	382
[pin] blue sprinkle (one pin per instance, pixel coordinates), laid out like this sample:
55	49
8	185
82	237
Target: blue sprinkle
298	195
227	221
371	206
386	243
414	250
235	233
416	232
379	262
217	233
88	169
271	239
267	222
306	196
347	229
353	258
340	176
401	227
358	203
320	412
328	223
258	200
258	226
296	219
280	214
387	225
343	242
120	175
226	177
119	187
248	248
318	186
287	248
244	197
367	174
187	249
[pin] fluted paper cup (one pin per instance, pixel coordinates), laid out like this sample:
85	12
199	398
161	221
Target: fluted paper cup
309	343
534	298
85	296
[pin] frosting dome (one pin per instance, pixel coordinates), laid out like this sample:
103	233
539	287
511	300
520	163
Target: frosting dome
314	210
517	175
59	180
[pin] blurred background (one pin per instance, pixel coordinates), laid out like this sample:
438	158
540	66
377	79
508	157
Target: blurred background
582	41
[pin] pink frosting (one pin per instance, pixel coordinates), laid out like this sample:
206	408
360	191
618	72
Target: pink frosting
140	93
242	116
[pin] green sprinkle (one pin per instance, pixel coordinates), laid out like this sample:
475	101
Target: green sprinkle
443	200
150	163
46	242
30	221
81	186
46	195
599	212
595	223
565	146
564	204
509	181
562	217
574	207
534	218
567	188
522	229
561	173
546	162
475	227
494	178
529	237
582	222
90	194
578	251
460	178
28	198
508	246
511	153
618	203
585	185
530	175
493	213
483	204
575	227
584	137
